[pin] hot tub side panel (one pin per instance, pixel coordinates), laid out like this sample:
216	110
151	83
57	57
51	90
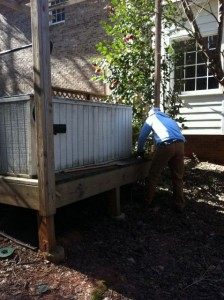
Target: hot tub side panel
89	133
95	133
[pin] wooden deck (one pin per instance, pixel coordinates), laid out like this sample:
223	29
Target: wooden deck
72	186
78	185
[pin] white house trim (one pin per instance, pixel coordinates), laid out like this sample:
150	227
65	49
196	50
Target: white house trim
203	110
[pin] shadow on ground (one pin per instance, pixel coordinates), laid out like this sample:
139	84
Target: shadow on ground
154	253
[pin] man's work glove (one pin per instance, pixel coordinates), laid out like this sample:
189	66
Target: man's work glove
140	154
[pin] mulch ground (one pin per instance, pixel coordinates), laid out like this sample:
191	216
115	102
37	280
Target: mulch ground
153	253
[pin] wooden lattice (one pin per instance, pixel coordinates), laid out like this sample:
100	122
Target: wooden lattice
75	94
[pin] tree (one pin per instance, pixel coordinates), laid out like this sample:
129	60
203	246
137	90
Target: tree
127	61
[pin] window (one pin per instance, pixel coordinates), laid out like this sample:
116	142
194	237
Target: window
57	14
191	73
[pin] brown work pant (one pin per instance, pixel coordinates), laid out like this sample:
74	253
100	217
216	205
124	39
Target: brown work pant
167	155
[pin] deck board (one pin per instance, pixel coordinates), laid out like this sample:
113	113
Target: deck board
74	185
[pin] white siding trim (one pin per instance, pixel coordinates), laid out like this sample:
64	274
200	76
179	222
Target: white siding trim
222	126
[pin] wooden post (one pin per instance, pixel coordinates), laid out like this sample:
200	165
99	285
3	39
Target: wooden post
47	241
158	8
44	123
113	202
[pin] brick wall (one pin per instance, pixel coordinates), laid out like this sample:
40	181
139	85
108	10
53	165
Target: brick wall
74	42
206	147
16	68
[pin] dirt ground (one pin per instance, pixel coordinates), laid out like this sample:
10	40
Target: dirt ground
154	253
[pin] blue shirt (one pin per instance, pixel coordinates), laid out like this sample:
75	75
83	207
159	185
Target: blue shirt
163	127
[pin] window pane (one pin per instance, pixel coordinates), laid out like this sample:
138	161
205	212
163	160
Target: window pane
179	45
209	73
190	65
200	57
179	73
190	72
205	39
179	85
212	83
212	41
189	45
54	19
190	85
201	84
190	58
201	71
179	59
213	52
59	17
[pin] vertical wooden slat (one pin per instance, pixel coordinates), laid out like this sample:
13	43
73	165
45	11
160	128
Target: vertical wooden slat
85	134
80	132
62	137
105	136
44	121
75	135
96	141
116	133
69	135
109	134
91	136
101	137
57	152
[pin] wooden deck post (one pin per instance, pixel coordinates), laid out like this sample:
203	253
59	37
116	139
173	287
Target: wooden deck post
47	241
113	202
44	123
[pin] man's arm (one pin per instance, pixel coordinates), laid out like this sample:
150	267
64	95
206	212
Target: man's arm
145	131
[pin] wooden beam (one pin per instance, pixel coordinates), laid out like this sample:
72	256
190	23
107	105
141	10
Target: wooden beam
21	192
112	198
95	183
47	240
43	106
44	122
158	52
18	6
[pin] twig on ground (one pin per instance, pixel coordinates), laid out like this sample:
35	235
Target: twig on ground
198	280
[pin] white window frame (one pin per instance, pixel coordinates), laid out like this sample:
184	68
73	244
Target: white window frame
196	91
57	12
